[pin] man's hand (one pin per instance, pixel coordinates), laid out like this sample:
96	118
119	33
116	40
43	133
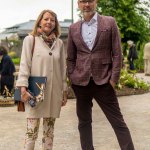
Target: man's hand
112	83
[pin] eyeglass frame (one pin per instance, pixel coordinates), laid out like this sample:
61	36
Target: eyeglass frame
86	1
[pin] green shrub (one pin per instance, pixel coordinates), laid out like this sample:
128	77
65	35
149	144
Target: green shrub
131	81
139	63
12	54
16	61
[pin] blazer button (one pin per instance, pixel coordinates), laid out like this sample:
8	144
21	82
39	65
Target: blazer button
50	53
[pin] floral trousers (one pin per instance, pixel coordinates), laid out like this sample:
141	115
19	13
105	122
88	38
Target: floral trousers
32	133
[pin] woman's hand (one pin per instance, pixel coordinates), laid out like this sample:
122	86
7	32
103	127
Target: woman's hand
64	101
25	95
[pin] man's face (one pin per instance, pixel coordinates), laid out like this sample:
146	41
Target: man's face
87	7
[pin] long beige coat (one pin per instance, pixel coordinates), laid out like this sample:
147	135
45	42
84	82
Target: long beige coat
43	64
147	58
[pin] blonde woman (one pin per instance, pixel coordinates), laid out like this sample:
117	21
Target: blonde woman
47	60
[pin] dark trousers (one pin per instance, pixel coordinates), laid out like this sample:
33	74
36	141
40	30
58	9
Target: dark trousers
107	100
131	63
6	82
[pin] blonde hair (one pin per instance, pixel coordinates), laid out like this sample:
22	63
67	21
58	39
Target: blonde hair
36	26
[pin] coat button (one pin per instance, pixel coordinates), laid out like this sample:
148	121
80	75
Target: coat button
50	53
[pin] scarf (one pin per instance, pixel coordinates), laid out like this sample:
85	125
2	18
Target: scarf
49	40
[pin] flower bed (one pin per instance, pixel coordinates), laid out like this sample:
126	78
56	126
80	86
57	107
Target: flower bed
126	91
6	101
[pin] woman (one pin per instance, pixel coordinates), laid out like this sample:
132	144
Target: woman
47	60
7	69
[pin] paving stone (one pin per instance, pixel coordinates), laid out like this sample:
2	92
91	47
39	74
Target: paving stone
135	108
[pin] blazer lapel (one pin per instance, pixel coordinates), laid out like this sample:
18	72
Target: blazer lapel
80	36
99	26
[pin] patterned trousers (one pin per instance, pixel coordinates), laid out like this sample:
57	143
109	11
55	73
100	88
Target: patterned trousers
32	133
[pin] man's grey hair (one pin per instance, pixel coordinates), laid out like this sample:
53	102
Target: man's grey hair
130	42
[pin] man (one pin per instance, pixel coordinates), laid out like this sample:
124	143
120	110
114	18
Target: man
93	63
147	59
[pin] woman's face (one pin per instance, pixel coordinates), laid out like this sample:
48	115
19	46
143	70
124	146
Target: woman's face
47	23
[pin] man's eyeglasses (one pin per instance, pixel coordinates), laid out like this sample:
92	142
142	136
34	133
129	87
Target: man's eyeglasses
86	1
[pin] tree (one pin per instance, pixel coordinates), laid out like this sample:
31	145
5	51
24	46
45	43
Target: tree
132	17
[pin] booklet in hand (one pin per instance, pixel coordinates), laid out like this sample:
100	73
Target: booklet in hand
36	85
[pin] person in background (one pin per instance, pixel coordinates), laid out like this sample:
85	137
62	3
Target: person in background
93	66
147	59
7	69
47	60
132	55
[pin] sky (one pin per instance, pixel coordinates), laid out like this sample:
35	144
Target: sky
18	11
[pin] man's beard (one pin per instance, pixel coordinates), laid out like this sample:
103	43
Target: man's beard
87	13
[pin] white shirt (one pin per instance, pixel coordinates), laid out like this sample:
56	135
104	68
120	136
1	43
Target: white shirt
89	30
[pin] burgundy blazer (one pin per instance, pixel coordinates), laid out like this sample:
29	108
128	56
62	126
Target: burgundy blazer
103	63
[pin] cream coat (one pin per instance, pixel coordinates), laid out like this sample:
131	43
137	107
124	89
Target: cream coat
42	64
147	58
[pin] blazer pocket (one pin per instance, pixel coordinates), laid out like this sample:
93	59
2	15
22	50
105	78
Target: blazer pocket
106	61
105	38
106	30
